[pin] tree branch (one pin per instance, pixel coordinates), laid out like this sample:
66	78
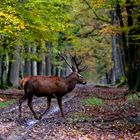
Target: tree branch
84	35
97	16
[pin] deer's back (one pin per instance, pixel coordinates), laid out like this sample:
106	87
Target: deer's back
46	86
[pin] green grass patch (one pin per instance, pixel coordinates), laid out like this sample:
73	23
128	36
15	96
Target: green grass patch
6	103
92	101
133	97
79	117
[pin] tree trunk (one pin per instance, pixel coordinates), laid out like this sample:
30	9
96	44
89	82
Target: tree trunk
34	68
68	70
27	63
123	40
134	48
34	63
3	71
117	60
40	68
48	60
118	68
14	73
48	64
130	45
3	76
14	68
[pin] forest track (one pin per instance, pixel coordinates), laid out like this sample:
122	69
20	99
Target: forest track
20	127
13	128
53	127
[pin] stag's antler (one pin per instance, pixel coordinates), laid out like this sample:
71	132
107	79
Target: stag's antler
78	63
65	60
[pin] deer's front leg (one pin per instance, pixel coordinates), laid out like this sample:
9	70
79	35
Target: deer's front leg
48	107
59	100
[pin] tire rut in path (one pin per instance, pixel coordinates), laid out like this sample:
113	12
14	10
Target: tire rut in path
17	128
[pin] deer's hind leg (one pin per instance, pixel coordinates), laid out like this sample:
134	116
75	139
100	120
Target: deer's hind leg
21	100
31	106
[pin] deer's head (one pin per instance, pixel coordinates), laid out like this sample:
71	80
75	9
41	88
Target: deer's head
76	69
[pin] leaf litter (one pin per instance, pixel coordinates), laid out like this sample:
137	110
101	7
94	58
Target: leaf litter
116	119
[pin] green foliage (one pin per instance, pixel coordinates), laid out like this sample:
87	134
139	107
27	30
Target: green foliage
7	103
45	18
35	21
78	117
70	25
10	23
92	101
133	97
91	36
122	81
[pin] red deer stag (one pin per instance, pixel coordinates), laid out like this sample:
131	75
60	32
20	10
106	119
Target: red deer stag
52	87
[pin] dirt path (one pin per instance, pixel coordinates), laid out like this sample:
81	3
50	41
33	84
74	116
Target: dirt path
81	123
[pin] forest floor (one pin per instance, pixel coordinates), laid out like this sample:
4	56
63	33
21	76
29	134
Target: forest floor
115	119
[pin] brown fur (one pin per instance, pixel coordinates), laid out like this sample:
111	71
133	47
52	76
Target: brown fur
23	81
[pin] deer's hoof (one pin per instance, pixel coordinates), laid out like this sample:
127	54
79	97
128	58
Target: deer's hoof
36	117
19	115
40	117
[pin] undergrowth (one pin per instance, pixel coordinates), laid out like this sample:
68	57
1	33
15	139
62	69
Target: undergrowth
133	97
92	101
6	103
79	117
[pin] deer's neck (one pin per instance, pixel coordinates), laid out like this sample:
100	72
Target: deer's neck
71	82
